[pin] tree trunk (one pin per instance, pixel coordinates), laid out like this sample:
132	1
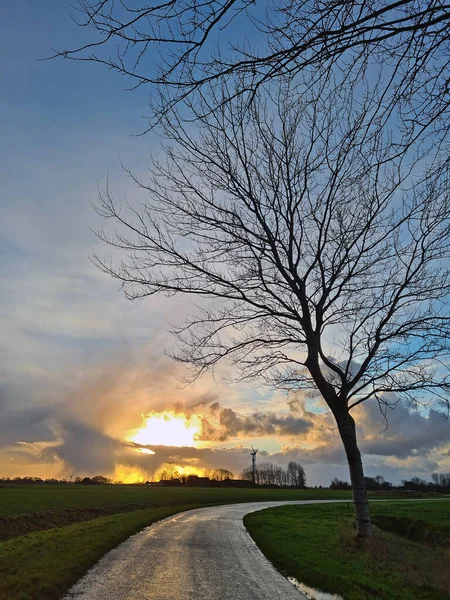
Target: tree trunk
347	431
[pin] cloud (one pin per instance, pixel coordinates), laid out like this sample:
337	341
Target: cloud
234	459
85	448
30	424
82	430
227	423
408	431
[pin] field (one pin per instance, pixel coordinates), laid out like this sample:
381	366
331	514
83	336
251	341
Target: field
20	500
24	509
407	559
53	534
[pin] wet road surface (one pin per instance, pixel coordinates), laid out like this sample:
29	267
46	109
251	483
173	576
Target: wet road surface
202	554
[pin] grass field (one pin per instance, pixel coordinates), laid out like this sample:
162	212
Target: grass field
25	509
317	546
21	500
53	534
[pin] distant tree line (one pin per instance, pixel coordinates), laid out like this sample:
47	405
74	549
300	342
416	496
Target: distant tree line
219	474
171	472
372	483
265	474
269	474
440	482
97	479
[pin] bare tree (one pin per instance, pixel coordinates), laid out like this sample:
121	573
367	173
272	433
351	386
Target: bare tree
296	475
441	480
169	472
317	250
220	474
269	474
247	474
200	43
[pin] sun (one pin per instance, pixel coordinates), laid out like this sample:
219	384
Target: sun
166	429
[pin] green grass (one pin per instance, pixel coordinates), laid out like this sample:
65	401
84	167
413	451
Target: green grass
434	512
58	532
43	565
317	546
34	508
21	500
426	522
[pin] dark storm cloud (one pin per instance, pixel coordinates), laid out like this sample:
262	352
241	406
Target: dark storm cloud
227	423
86	449
409	437
24	425
408	431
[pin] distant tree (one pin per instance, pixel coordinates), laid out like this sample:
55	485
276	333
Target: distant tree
101	479
377	483
247	474
269	474
337	484
416	484
296	475
441	480
170	472
220	474
435	478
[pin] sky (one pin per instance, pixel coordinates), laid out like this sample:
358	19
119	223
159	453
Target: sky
85	385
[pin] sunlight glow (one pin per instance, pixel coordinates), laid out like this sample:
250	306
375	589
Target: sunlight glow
127	474
173	470
166	429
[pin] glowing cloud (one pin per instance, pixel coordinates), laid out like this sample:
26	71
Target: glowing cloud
145	451
166	429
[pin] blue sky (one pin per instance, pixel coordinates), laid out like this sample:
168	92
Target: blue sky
64	125
77	361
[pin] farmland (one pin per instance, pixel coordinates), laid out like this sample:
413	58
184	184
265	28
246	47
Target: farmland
24	509
407	559
19	500
40	524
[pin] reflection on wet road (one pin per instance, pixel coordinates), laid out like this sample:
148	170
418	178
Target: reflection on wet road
203	554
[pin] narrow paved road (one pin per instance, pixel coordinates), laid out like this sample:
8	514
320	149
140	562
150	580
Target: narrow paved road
203	554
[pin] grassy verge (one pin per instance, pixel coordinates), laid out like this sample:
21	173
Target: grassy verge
316	545
426	522
43	565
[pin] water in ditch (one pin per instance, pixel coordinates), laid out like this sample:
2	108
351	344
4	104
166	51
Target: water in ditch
312	593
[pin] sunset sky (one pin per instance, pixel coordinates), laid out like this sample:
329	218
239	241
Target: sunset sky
85	386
